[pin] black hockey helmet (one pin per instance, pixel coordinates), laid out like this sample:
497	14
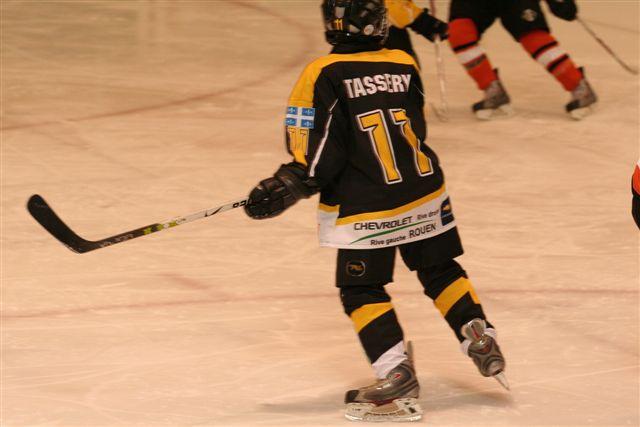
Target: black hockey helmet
355	21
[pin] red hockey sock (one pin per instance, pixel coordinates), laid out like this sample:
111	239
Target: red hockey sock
463	37
544	49
636	179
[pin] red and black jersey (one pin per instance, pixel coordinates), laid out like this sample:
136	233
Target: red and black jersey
356	121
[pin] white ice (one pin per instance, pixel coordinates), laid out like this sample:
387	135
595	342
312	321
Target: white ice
124	113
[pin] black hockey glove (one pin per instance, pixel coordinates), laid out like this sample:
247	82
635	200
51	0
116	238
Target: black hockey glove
564	9
273	195
430	27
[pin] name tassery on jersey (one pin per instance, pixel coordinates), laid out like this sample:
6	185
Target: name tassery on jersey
356	121
370	85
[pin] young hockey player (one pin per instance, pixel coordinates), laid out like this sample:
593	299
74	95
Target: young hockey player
525	21
405	14
356	130
635	190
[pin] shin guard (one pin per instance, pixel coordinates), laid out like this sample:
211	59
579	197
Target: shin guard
544	48
452	294
377	326
463	37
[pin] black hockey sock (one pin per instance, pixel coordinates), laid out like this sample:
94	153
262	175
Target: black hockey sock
374	319
452	293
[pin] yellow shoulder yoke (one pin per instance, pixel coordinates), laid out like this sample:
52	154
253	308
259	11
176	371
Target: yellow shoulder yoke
302	94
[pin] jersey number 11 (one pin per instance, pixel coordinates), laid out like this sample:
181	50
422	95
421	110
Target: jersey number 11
375	124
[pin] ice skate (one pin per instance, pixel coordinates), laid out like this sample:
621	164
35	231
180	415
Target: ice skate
480	344
582	99
496	103
393	398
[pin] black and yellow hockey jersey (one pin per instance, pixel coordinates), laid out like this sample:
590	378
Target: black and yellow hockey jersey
402	15
356	121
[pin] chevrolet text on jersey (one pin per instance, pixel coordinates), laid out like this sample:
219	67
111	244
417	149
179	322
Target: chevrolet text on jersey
370	85
382	225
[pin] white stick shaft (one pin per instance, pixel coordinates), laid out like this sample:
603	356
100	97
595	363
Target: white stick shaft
441	76
444	106
204	213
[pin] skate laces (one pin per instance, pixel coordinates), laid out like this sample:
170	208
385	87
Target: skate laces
477	336
581	91
495	95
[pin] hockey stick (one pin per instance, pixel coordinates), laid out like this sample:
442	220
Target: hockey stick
630	69
42	212
443	111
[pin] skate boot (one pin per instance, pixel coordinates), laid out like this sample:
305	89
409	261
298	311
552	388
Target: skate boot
582	98
481	346
496	103
393	398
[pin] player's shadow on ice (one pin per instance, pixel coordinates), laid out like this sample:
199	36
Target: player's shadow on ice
443	393
436	394
321	404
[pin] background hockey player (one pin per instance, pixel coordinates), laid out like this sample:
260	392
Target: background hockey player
356	130
404	14
525	21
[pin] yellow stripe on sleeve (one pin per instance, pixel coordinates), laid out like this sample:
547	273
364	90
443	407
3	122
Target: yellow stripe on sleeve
366	314
403	12
453	293
328	208
298	143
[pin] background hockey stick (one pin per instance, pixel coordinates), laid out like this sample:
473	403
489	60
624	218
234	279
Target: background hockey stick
42	212
442	112
630	69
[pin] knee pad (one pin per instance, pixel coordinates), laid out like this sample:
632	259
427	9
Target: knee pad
354	297
375	321
463	37
435	279
463	34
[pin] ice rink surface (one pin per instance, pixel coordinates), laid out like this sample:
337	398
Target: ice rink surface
125	113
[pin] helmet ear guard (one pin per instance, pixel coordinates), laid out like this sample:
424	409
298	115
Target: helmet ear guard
355	21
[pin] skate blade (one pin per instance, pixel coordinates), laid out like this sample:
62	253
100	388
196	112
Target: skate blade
501	112
400	410
580	113
502	379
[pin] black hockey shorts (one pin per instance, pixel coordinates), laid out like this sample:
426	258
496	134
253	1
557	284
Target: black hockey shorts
362	267
518	17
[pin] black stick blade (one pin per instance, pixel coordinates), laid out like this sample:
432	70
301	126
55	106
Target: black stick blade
42	212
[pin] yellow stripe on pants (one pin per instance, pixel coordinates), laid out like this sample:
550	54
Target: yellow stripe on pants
366	314
453	293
